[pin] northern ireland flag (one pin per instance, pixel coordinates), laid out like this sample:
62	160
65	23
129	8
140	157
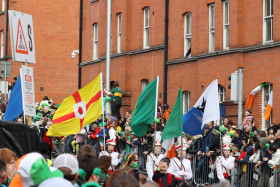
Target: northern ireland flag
252	95
268	108
78	110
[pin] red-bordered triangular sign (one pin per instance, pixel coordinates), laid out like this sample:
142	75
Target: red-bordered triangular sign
21	46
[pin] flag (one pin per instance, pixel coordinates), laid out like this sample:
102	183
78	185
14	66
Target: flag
15	106
252	95
173	127
144	112
78	110
205	110
268	108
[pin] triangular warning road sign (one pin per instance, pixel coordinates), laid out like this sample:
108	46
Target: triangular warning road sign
21	46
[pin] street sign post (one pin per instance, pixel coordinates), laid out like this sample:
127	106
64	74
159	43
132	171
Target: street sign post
22	37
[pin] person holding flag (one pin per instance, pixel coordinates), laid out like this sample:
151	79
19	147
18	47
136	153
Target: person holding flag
225	164
179	165
153	159
116	157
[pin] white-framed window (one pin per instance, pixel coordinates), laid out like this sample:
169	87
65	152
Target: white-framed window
144	83
95	41
3	5
187	34
119	32
211	28
2	45
226	24
186	101
267	21
266	91
222	93
146	38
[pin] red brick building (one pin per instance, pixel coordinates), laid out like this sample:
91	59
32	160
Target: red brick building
222	35
56	34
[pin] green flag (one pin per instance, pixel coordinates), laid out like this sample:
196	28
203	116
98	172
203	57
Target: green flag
144	112
174	126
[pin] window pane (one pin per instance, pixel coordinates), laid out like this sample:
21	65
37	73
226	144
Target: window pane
269	29
147	36
119	23
212	17
271	4
267	5
226	12
227	35
147	17
188	24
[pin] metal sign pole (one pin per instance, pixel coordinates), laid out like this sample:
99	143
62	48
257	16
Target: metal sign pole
5	82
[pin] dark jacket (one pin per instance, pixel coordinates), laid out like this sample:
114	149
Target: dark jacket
208	141
165	180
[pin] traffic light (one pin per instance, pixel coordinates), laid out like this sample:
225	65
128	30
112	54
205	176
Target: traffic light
233	86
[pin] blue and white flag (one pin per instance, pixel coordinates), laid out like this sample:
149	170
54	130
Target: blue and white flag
15	107
205	110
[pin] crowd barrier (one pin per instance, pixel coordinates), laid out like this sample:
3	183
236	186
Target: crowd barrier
205	173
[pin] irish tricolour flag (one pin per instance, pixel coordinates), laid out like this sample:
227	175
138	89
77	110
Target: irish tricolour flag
252	95
268	108
173	127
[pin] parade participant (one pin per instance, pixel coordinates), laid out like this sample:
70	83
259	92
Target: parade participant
162	177
116	94
153	160
180	169
116	157
130	161
225	164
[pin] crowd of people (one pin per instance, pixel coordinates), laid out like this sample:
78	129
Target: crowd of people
108	153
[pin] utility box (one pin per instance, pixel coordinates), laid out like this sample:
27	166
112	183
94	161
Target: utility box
234	87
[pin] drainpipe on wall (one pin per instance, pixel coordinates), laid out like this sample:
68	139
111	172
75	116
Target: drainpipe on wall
165	51
7	27
80	45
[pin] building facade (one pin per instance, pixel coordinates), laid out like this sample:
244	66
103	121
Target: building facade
207	40
56	34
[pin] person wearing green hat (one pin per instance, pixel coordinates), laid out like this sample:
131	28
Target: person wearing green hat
130	161
45	100
38	117
101	134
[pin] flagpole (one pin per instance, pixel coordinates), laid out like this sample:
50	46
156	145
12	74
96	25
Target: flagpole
181	153
102	110
221	142
156	113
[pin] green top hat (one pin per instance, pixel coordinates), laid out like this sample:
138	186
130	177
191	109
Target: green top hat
223	129
38	116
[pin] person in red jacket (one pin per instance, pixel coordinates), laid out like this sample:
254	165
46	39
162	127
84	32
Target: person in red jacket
161	176
93	137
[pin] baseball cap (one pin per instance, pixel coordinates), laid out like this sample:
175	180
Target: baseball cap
67	160
56	182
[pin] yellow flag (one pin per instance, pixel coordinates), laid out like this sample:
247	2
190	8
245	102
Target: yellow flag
78	110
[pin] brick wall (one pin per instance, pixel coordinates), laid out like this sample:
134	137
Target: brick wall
246	30
56	34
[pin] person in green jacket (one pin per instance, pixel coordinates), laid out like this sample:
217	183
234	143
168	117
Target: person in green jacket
116	94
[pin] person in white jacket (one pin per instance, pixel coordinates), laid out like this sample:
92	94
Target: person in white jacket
116	157
153	159
225	164
180	169
273	163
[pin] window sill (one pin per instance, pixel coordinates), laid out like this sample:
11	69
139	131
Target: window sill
2	12
93	1
268	42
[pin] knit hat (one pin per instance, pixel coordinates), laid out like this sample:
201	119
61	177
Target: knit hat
33	170
67	160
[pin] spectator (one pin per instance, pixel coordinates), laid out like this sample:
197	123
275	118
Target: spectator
124	180
166	112
10	158
69	166
3	174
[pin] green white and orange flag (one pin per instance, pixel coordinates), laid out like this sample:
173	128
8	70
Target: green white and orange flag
173	127
252	95
268	108
78	110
